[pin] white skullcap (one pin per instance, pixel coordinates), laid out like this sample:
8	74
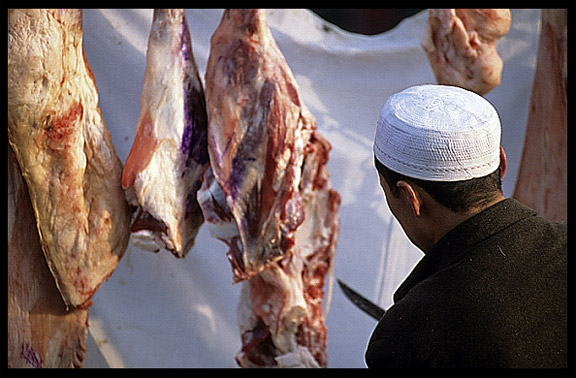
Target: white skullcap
438	133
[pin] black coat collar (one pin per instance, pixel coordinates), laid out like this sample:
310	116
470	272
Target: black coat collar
468	233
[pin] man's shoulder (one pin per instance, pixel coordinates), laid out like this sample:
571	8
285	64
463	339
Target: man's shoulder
451	305
527	218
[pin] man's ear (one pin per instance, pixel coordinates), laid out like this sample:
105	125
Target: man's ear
503	163
410	196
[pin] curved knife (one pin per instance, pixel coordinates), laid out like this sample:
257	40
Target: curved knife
362	303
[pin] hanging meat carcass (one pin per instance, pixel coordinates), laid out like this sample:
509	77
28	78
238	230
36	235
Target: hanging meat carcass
267	194
461	46
542	181
41	331
163	170
64	151
68	221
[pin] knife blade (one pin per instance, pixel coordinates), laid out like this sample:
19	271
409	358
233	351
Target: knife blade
361	302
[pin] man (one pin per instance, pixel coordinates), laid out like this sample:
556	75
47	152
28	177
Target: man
490	290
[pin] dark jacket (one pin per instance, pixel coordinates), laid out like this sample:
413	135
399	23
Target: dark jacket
490	293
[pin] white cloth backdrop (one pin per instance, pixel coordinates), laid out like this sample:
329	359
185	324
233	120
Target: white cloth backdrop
158	311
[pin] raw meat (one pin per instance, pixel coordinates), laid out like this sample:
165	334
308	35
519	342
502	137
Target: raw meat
542	181
41	331
461	46
163	170
64	151
267	194
257	135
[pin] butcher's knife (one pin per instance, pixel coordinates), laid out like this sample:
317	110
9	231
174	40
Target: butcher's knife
362	303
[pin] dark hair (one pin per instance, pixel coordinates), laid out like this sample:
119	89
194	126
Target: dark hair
458	196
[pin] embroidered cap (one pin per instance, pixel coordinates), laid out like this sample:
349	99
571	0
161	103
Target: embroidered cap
438	133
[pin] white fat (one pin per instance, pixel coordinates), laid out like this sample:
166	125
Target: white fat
284	326
159	187
244	315
294	307
147	241
203	195
218	228
216	192
163	93
313	233
281	165
299	358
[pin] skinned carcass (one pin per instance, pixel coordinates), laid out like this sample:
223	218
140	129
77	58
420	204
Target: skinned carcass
64	151
68	221
267	194
42	332
461	46
163	169
542	181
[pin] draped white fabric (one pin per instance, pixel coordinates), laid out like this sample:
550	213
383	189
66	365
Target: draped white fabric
159	311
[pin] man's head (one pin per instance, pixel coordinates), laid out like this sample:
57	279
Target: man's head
437	151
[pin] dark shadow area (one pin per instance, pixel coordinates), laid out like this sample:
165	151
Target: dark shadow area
365	21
